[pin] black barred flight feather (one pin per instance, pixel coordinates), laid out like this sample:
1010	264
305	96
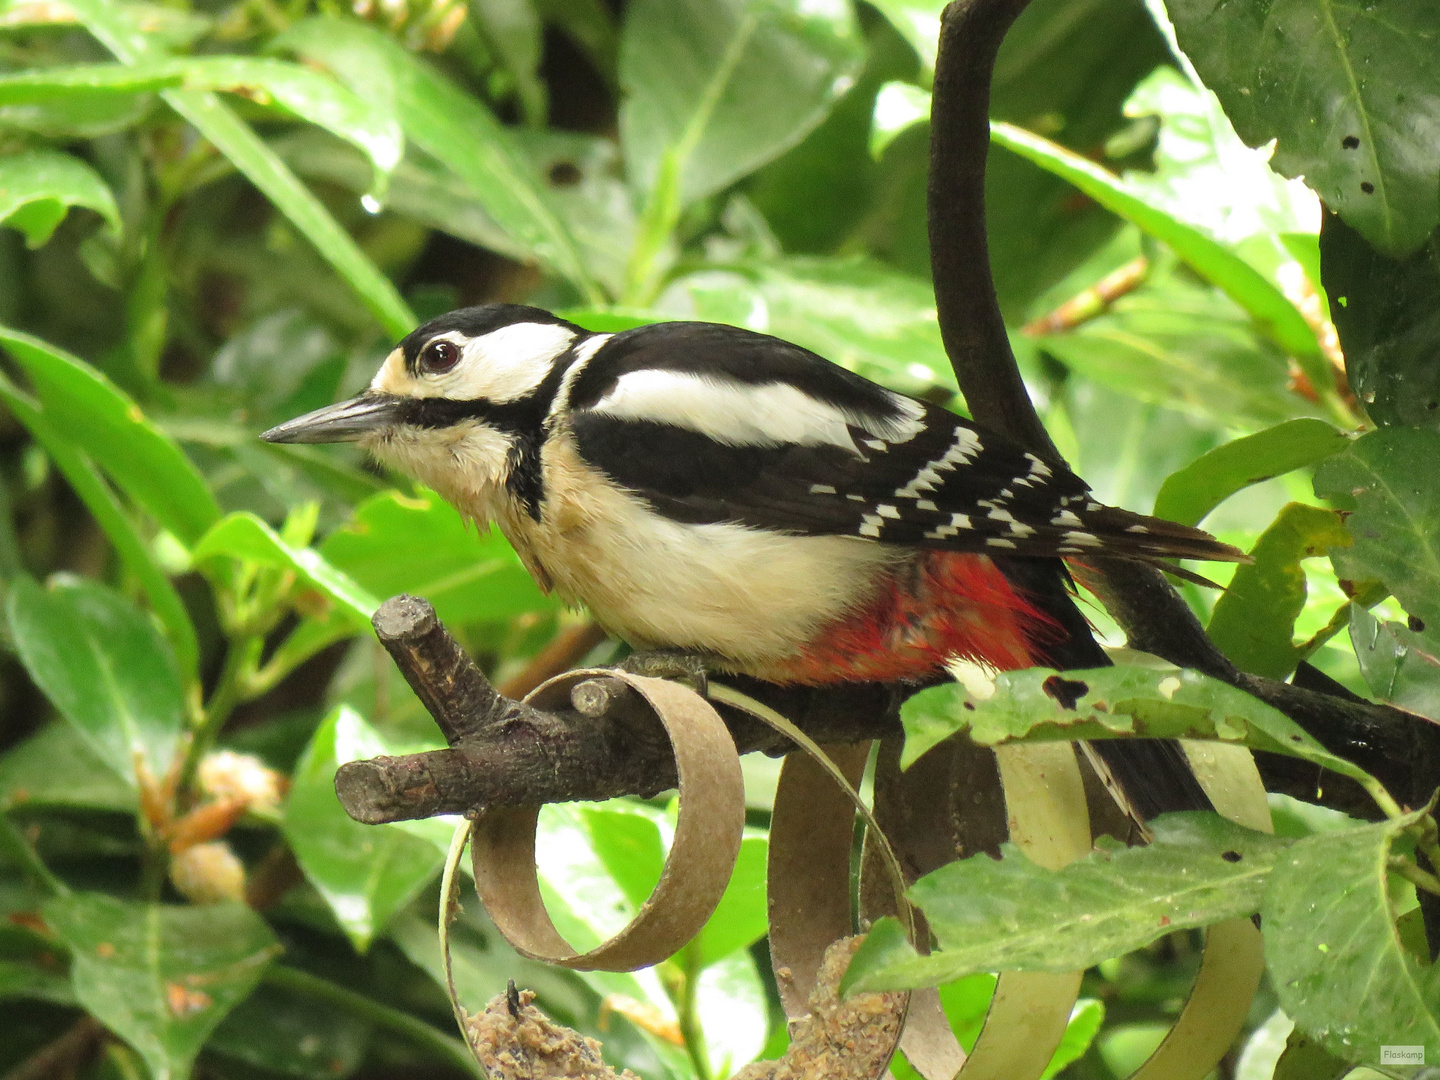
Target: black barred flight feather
848	457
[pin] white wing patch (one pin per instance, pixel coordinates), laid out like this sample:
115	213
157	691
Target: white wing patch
734	413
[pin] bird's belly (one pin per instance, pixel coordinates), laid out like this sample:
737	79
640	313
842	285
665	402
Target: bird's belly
747	596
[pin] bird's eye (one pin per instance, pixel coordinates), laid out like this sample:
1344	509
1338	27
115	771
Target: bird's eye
439	357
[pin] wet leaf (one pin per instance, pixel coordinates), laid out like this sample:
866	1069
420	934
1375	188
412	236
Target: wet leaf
161	977
1401	665
1330	930
1012	915
1388	478
1102	703
1341	89
1387	312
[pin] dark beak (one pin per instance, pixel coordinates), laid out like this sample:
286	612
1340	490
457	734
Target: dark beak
345	422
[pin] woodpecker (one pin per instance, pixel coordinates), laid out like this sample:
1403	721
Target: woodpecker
716	491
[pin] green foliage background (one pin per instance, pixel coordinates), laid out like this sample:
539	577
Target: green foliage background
217	214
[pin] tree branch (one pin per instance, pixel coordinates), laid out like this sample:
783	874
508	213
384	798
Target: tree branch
605	742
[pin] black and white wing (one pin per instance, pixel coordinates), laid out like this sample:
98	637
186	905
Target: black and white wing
711	424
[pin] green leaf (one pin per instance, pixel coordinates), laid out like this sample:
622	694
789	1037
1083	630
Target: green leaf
1399	664
293	1034
1388	478
727	85
161	977
420	545
1387	313
627	838
132	548
1080	1031
1262	300
856	312
449	125
1012	915
310	95
244	536
1306	1059
38	187
1254	619
101	662
1336	85
1177	343
1335	956
245	150
366	873
21	981
29	778
1106	703
1190	494
106	423
743	916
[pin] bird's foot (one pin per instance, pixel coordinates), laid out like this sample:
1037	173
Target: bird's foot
677	666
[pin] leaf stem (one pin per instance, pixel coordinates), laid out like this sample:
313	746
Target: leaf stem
1411	872
413	1028
236	684
687	1011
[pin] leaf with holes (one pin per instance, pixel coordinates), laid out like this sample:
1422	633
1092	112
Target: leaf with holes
1400	663
1105	703
1346	90
161	977
102	663
1334	953
366	873
1012	915
1254	619
1388	479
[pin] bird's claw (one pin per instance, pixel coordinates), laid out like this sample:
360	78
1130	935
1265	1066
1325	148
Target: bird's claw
682	667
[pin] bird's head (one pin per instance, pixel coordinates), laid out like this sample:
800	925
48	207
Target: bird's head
453	399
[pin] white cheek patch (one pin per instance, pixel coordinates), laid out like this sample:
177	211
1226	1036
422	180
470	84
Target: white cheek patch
733	413
505	364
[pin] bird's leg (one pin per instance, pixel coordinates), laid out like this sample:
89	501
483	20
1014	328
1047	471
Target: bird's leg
690	668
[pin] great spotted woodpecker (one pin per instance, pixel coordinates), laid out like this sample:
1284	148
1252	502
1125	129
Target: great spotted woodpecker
704	488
